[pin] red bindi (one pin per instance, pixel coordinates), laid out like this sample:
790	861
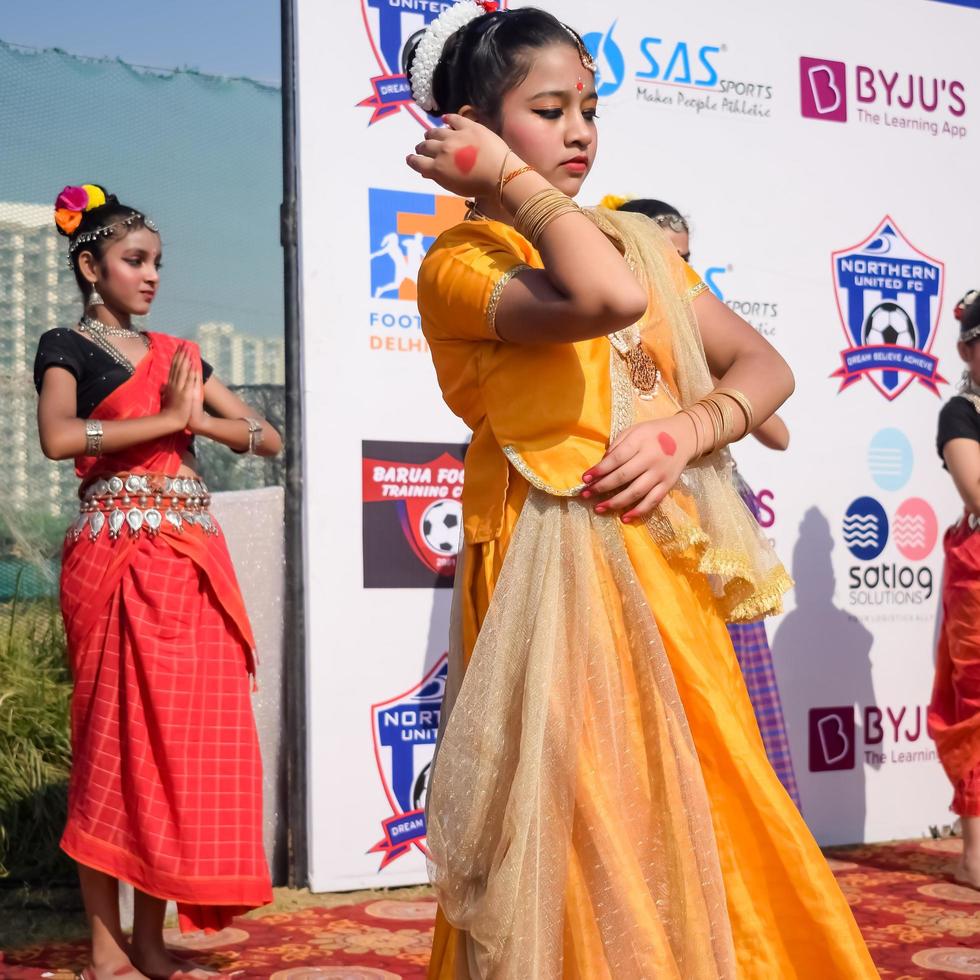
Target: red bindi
667	443
465	158
580	86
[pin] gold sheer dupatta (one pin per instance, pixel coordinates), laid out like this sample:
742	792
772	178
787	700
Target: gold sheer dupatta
565	756
703	524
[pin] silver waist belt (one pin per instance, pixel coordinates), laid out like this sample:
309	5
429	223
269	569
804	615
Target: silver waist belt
142	503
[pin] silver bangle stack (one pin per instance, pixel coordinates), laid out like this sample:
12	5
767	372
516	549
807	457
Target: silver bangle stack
93	437
255	433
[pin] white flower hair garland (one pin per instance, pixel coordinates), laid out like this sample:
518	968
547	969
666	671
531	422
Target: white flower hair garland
429	49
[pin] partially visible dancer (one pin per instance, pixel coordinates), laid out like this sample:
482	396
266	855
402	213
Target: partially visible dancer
600	804
749	639
166	782
954	714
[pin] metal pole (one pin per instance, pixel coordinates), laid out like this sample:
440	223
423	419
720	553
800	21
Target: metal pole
294	659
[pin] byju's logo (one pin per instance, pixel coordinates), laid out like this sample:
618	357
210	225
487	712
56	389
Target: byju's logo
866	528
872	96
823	89
888	735
889	294
832	739
610	64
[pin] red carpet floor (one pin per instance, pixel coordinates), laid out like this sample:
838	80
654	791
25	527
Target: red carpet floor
917	923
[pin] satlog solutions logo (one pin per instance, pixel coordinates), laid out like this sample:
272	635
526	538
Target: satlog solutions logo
866	531
389	24
403	225
896	100
405	729
890	736
690	75
889	295
412	515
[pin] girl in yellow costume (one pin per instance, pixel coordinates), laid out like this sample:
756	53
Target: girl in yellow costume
601	805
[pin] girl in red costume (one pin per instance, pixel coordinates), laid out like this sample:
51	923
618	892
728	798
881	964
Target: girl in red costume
166	782
954	715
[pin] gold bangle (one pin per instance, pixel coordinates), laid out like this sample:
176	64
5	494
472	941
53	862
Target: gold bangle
697	432
500	179
93	437
539	210
743	403
526	169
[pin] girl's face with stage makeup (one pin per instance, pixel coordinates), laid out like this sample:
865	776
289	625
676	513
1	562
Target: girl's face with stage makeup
128	272
548	120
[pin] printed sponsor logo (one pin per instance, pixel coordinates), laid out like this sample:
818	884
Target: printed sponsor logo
888	735
890	459
823	89
405	729
388	25
403	225
889	295
896	100
677	73
726	284
866	531
412	515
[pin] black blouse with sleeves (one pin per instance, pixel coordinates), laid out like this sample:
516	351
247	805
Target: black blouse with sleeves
96	374
958	419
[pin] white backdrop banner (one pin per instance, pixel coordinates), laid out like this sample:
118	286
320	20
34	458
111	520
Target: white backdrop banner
826	163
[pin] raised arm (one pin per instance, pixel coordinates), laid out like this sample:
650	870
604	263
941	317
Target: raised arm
585	290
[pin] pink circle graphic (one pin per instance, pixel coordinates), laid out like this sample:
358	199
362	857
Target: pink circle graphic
915	529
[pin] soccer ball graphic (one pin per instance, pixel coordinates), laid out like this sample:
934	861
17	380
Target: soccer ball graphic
888	323
420	790
441	525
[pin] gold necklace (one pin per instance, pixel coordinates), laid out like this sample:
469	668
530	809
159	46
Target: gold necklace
99	333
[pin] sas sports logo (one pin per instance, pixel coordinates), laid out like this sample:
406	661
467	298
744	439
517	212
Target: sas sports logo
610	63
914	529
412	515
403	225
405	729
889	295
389	24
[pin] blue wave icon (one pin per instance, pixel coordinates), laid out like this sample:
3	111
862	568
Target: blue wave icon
865	528
890	459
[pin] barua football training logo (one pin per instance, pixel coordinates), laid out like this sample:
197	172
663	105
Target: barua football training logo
405	729
389	24
889	295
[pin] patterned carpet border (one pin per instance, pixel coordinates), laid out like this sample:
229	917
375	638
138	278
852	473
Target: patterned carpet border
917	921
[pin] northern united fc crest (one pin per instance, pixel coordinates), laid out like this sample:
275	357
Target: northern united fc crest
389	24
889	295
405	729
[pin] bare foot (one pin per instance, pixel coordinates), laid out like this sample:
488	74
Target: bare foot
967	873
163	965
120	970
